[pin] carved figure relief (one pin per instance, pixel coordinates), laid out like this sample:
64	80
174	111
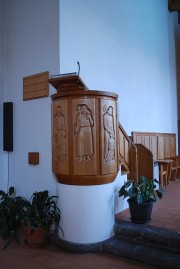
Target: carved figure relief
60	136
109	134
83	133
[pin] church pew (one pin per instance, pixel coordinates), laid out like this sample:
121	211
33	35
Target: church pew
163	148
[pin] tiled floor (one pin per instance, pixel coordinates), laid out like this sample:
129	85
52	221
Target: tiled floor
166	213
51	257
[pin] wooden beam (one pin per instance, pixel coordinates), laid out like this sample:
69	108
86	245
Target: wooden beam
174	5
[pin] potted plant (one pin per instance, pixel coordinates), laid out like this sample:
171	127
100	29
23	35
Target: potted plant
141	197
42	216
12	210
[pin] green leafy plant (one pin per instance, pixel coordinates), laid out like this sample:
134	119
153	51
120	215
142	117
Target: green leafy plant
42	212
143	191
12	210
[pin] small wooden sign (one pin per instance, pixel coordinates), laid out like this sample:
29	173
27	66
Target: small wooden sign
36	86
33	158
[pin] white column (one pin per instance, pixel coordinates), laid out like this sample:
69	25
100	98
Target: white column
87	212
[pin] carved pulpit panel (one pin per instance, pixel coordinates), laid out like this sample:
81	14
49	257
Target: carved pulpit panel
60	136
84	137
109	135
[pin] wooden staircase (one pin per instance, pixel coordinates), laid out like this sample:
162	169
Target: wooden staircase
135	160
127	153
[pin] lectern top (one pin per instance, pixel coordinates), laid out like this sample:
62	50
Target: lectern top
64	80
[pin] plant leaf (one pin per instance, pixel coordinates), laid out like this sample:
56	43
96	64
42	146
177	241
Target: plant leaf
11	190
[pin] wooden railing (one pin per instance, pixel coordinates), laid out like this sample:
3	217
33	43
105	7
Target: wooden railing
127	152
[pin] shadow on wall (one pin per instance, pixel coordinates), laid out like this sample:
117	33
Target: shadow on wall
177	47
120	204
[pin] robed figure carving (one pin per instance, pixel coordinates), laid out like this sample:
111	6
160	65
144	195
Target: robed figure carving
83	132
60	135
109	134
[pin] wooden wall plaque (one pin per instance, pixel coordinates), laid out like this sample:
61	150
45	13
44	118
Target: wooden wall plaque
36	86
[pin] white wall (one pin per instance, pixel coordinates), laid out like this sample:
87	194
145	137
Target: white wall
32	46
177	38
177	51
126	47
3	157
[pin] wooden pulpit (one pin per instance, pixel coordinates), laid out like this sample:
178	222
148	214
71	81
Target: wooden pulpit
84	133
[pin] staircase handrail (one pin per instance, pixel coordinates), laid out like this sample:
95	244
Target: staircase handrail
132	152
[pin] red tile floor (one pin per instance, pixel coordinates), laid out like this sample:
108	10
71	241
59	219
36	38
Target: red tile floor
166	213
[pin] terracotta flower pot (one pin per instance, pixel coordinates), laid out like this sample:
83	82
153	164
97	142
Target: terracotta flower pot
35	238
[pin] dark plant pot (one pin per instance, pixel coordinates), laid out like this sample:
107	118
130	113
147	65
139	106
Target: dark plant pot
140	213
37	238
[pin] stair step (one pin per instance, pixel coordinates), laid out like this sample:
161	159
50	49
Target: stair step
161	237
142	253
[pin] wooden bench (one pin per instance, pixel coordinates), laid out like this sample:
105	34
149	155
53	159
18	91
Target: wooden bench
163	148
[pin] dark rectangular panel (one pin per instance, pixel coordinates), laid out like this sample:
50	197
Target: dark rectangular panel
8	126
